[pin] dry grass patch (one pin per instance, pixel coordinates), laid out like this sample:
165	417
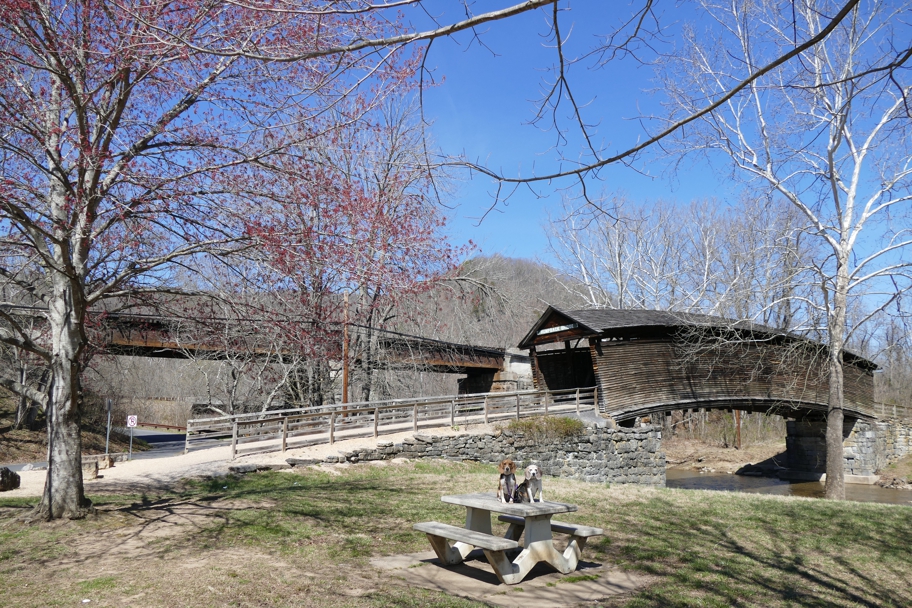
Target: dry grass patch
902	468
726	549
693	454
543	429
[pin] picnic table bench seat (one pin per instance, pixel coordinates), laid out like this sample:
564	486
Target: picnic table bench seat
439	535
556	526
471	537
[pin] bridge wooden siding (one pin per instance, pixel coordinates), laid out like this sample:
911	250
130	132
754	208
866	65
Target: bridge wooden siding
648	376
153	336
651	362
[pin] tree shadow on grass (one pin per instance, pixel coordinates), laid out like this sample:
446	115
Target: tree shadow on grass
730	550
804	553
275	510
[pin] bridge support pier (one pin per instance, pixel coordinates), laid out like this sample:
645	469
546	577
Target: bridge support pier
868	447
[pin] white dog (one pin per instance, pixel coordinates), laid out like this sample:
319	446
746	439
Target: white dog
531	485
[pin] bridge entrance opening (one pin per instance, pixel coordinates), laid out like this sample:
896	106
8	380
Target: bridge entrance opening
568	366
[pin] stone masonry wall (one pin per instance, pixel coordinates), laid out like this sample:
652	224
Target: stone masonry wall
869	446
805	444
619	456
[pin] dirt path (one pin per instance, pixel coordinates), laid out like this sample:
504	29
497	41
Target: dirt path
699	456
162	473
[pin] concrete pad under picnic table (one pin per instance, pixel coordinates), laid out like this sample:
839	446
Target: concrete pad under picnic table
542	588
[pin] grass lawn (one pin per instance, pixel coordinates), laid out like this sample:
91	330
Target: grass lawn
304	538
901	468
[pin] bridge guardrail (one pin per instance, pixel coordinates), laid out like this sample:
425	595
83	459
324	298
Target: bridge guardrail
331	423
891	410
155	425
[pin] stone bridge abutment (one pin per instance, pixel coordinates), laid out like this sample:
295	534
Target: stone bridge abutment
870	445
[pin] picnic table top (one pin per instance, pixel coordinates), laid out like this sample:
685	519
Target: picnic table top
489	502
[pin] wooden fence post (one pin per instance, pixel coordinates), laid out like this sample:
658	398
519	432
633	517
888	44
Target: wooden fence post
577	401
234	438
486	409
187	439
545	400
517	406
595	402
376	420
332	428
415	418
284	433
452	412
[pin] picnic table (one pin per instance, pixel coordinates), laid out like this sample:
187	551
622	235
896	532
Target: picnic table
533	519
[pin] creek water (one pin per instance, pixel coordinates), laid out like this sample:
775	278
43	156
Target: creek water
693	480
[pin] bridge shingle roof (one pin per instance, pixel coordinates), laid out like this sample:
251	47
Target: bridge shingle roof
599	320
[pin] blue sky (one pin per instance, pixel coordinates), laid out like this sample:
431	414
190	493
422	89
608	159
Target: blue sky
487	98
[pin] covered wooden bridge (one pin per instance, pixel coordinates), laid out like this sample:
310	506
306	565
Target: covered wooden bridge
646	362
154	336
191	335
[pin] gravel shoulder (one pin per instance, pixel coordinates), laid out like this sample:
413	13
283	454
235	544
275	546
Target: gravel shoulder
161	473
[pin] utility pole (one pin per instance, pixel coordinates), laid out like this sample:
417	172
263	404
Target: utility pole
345	353
108	434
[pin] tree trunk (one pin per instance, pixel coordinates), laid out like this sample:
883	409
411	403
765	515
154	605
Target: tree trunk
22	411
367	360
835	467
64	495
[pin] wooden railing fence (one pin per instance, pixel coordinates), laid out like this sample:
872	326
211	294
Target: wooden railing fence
887	411
155	425
331	423
624	411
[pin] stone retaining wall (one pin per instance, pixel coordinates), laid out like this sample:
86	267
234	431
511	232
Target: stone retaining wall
619	456
869	445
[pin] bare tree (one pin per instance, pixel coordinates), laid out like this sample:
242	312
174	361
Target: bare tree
30	371
244	369
129	135
829	133
741	261
894	385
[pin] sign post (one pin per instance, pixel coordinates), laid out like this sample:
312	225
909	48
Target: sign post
131	422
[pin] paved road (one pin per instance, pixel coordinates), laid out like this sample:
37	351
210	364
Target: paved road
154	435
163	444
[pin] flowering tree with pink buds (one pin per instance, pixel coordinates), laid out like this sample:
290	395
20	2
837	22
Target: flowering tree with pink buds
132	136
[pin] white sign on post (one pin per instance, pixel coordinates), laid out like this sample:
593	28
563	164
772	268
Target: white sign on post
131	422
